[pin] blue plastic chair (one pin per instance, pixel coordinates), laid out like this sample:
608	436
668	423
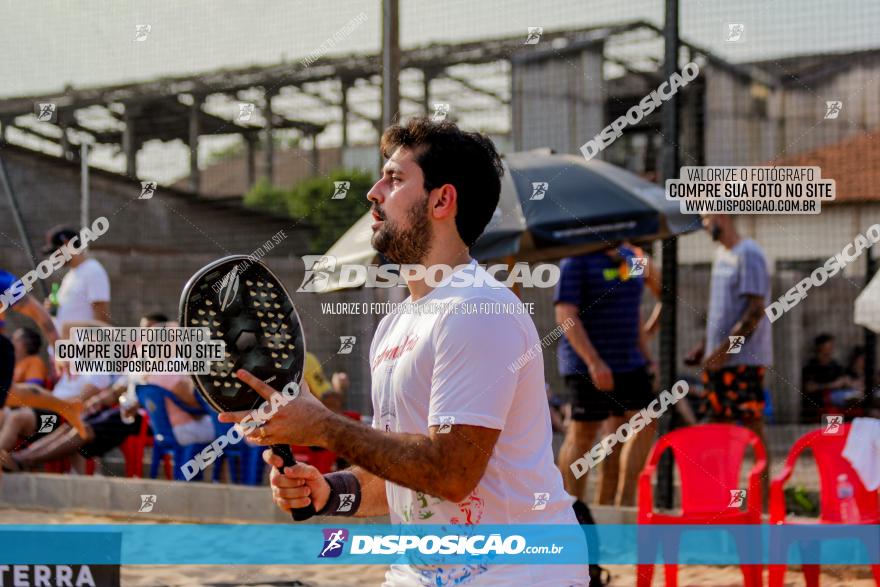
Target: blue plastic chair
249	459
152	398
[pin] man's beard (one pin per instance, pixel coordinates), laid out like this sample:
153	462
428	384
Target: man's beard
405	246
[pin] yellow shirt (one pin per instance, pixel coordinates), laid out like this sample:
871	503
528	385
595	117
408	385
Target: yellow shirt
314	376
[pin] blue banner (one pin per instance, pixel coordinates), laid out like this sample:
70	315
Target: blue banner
297	544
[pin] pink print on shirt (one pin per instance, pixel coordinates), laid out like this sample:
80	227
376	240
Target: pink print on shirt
392	353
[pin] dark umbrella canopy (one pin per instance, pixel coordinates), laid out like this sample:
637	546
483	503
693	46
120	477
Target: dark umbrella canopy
560	205
585	206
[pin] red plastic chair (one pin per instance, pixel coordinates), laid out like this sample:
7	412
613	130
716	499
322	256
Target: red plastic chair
827	451
709	458
133	448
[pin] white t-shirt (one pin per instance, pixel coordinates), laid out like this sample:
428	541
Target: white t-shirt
70	387
435	367
82	286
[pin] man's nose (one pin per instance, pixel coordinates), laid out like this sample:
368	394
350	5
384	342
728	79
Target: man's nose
375	194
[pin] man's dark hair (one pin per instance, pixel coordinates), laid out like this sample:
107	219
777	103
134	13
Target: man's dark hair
822	339
32	340
156	317
447	154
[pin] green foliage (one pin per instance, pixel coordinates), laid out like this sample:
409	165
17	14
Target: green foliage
310	200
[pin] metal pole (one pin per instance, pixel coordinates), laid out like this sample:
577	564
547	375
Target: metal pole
390	63
669	296
19	222
870	341
84	185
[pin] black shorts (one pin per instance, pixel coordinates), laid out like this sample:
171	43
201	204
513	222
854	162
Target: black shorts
110	432
46	422
7	366
633	390
735	393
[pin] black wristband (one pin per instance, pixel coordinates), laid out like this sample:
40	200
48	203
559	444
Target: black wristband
345	495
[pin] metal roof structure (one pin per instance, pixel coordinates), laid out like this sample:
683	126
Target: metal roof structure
309	98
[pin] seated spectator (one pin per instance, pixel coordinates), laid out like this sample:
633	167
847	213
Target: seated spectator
29	367
22	423
853	391
821	376
107	424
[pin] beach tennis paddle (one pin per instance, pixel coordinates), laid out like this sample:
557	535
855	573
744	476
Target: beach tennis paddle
243	303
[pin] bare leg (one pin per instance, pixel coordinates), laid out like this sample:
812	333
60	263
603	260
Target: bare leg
578	440
18	423
633	457
610	469
62	443
34	396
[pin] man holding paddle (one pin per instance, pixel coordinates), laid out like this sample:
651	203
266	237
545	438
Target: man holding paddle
459	435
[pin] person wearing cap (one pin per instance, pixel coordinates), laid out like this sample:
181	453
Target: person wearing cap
85	290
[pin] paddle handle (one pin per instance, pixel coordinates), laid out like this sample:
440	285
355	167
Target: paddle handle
283	451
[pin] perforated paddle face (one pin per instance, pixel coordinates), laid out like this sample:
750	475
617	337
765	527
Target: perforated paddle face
251	311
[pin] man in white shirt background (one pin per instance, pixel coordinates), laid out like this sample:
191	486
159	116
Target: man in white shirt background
85	289
458	437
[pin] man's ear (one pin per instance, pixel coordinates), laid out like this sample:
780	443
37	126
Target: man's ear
445	201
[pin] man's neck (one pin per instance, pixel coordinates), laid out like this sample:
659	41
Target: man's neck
419	288
731	240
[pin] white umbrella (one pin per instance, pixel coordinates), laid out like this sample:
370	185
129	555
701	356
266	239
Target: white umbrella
867	307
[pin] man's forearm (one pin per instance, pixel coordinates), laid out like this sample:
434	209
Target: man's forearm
374	501
409	460
745	326
580	342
